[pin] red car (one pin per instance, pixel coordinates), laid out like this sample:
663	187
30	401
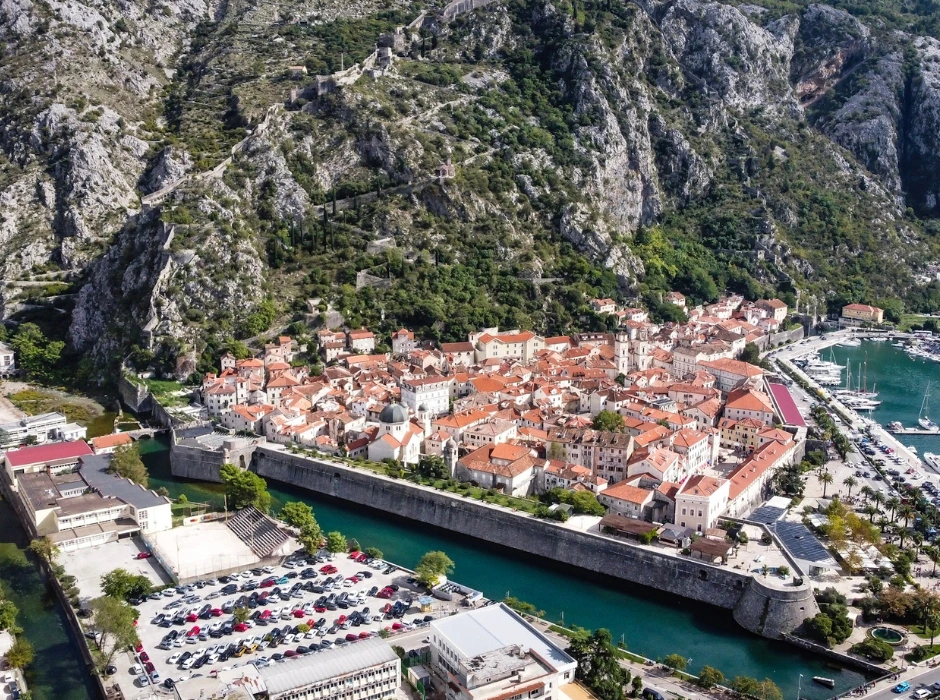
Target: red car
341	619
362	557
216	612
298	613
363	635
193	632
396	626
354	555
143	555
352	637
240	627
150	667
354	579
265	614
144	656
192	617
139	647
320	608
267	583
289	654
384	593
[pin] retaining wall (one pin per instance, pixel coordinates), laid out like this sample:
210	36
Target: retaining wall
760	608
137	398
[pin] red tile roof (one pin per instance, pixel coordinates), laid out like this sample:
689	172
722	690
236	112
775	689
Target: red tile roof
48	453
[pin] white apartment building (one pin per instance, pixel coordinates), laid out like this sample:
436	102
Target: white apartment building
701	501
367	670
430	394
46	427
514	344
7	361
492	653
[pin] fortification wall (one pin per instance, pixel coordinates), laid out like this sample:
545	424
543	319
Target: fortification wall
135	397
758	608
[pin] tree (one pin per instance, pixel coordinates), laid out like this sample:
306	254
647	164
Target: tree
932	623
610	421
825	479
873	649
432	567
751	354
44	548
244	488
241	614
115	622
303	628
598	665
38	356
335	542
637	685
586	503
123	585
676	662
126	462
297	514
763	690
20	654
709	677
374	552
851	482
311	537
432	467
8	613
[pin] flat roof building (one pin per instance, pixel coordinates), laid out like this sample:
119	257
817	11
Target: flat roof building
366	670
493	653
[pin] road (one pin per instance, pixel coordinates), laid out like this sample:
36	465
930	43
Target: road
917	677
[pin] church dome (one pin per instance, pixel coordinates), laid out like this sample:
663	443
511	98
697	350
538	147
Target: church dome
394	413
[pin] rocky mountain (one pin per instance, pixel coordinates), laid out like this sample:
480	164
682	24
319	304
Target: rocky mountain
177	173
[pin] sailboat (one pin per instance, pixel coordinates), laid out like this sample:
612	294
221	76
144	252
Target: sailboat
924	420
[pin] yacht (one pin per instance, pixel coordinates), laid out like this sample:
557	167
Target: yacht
895	426
924	420
933	460
849	343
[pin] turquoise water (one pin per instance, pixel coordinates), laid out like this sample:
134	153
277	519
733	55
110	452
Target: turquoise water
900	382
58	672
651	623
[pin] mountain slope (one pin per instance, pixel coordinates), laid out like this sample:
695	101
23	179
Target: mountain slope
596	149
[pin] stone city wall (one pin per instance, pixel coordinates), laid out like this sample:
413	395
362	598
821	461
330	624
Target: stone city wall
759	608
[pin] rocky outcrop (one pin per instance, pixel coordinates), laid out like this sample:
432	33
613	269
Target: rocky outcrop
922	146
829	42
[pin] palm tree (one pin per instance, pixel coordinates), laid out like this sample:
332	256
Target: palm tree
877	498
867	491
934	555
825	479
932	623
851	482
893	504
905	512
871	511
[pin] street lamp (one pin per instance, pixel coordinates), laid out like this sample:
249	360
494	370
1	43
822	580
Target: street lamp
799	687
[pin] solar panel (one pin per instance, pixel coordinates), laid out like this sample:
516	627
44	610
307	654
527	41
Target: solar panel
800	542
766	515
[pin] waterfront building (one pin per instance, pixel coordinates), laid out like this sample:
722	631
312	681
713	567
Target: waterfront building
700	501
856	314
54	458
367	670
627	500
750	480
509	468
46	427
397	438
106	444
89	506
493	653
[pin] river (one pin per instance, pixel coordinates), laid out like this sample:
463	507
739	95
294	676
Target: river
58	672
650	623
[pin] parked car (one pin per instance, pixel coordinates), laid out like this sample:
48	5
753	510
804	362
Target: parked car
143	555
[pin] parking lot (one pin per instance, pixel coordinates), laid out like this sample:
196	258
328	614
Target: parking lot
202	646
